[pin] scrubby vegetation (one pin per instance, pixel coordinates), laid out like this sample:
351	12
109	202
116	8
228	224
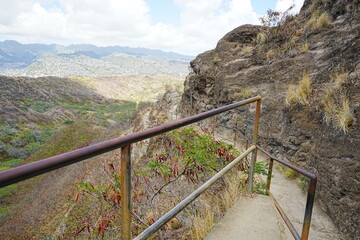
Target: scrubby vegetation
19	140
107	114
22	141
335	102
185	158
68	138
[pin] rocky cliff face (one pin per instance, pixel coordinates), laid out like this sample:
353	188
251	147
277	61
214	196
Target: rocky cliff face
314	125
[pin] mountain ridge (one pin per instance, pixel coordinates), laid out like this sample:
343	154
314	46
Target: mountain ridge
17	59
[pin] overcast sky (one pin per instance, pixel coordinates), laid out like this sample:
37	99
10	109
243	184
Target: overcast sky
183	26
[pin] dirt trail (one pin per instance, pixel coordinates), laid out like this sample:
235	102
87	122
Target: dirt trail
251	217
292	200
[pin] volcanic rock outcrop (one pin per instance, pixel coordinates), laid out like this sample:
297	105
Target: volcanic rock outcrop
307	70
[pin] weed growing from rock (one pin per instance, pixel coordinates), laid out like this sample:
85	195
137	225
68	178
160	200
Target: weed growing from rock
335	103
299	94
318	22
340	78
343	116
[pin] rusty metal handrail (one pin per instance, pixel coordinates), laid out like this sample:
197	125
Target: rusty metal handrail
310	196
30	170
309	201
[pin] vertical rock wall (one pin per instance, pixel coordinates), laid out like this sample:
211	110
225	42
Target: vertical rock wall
238	68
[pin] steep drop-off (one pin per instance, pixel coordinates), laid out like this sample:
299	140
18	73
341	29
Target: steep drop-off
313	122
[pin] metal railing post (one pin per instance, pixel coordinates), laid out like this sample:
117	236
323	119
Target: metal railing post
269	176
125	181
254	153
309	208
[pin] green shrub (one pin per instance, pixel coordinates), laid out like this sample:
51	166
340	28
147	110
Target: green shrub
17	153
33	147
303	183
103	113
7	131
196	152
66	122
69	138
41	107
185	157
13	162
2	147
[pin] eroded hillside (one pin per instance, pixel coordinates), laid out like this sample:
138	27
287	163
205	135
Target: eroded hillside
43	117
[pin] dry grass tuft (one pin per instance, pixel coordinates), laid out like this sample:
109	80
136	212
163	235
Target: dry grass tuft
261	38
328	103
216	60
247	50
318	22
304	48
203	221
339	114
288	172
299	93
271	54
245	93
310	24
343	116
234	188
291	95
323	21
340	78
304	89
216	204
335	102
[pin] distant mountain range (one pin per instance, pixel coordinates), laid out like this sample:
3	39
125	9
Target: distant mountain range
36	60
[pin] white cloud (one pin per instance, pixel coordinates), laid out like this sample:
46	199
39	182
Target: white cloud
283	5
123	22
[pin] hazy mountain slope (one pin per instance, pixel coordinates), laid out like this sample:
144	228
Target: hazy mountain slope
33	109
19	96
40	118
36	60
133	88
